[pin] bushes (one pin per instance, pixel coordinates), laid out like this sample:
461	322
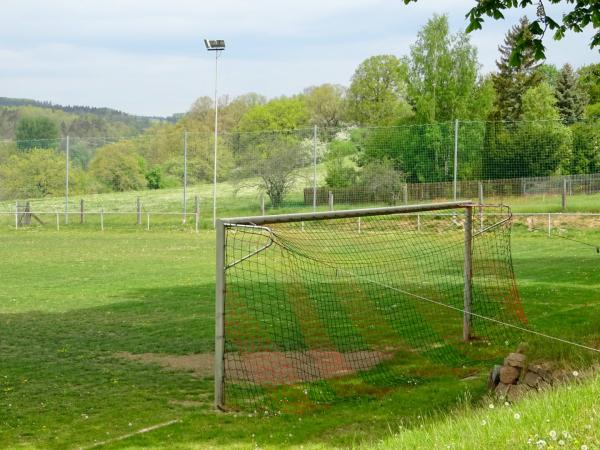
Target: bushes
118	167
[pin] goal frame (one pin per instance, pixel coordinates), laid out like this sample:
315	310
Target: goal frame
220	287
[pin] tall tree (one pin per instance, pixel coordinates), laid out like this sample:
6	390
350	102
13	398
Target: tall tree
582	14
442	73
326	104
589	83
279	114
511	82
570	100
36	132
377	94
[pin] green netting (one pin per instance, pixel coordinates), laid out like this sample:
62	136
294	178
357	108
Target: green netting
326	310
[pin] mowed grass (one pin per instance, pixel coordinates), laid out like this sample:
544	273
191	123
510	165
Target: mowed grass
71	300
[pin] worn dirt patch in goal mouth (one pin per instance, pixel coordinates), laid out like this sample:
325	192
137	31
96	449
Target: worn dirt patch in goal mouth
268	367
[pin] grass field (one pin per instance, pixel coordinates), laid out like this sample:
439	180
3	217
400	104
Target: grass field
72	301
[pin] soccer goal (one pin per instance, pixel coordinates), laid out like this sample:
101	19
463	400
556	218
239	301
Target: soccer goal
314	307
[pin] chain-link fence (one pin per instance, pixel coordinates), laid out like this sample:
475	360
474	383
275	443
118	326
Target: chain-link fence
545	164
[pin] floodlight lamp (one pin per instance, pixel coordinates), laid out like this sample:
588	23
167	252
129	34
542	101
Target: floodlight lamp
214	44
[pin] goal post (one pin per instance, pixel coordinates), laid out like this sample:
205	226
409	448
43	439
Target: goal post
310	299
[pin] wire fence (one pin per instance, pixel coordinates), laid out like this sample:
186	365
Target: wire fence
173	170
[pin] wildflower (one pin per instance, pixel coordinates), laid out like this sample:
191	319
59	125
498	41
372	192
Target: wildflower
584	447
575	373
561	442
566	434
517	416
506	404
553	434
491	406
541	443
483	422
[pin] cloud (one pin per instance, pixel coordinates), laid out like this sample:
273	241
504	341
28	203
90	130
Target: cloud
148	57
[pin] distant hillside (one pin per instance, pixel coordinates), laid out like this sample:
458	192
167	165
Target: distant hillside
76	120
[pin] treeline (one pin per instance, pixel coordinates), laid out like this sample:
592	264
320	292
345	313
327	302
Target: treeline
394	123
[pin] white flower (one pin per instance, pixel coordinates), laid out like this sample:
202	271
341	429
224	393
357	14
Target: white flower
575	373
483	422
553	434
506	404
561	442
566	434
517	416
541	443
584	447
491	406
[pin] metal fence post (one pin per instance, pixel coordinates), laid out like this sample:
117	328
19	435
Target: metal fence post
480	206
67	184
220	316
262	204
139	211
81	219
185	151
455	186
468	272
405	193
315	168
564	195
101	219
330	201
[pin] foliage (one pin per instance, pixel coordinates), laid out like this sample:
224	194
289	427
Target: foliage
512	82
377	93
272	166
37	173
586	147
154	178
588	81
326	105
570	100
538	103
530	41
36	132
118	167
442	75
381	179
549	73
279	114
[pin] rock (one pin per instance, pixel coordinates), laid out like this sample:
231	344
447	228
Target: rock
532	379
516	392
543	370
515	360
502	390
494	377
509	374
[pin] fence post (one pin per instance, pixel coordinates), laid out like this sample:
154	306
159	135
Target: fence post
564	195
185	151
315	168
405	193
418	222
455	158
196	212
480	206
359	225
468	273
101	219
148	221
262	204
549	224
67	184
139	211
330	201
81	219
57	221
17	215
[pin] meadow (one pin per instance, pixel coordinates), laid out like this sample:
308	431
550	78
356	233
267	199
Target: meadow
74	301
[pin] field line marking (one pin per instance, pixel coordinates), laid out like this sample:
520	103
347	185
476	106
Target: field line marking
135	433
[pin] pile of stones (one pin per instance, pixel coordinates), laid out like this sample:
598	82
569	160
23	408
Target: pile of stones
515	377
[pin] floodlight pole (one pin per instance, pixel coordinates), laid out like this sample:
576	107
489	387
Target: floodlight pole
216	136
67	182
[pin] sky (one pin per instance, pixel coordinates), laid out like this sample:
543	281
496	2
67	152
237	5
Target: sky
147	56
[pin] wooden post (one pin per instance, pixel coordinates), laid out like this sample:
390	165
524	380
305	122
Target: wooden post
139	211
262	204
148	221
81	219
57	221
468	273
564	195
405	194
549	225
330	201
17	215
196	212
101	219
480	206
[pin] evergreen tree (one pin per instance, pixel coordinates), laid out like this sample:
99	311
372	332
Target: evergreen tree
570	100
511	82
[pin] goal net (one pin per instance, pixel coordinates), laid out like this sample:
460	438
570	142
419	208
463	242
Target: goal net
316	308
